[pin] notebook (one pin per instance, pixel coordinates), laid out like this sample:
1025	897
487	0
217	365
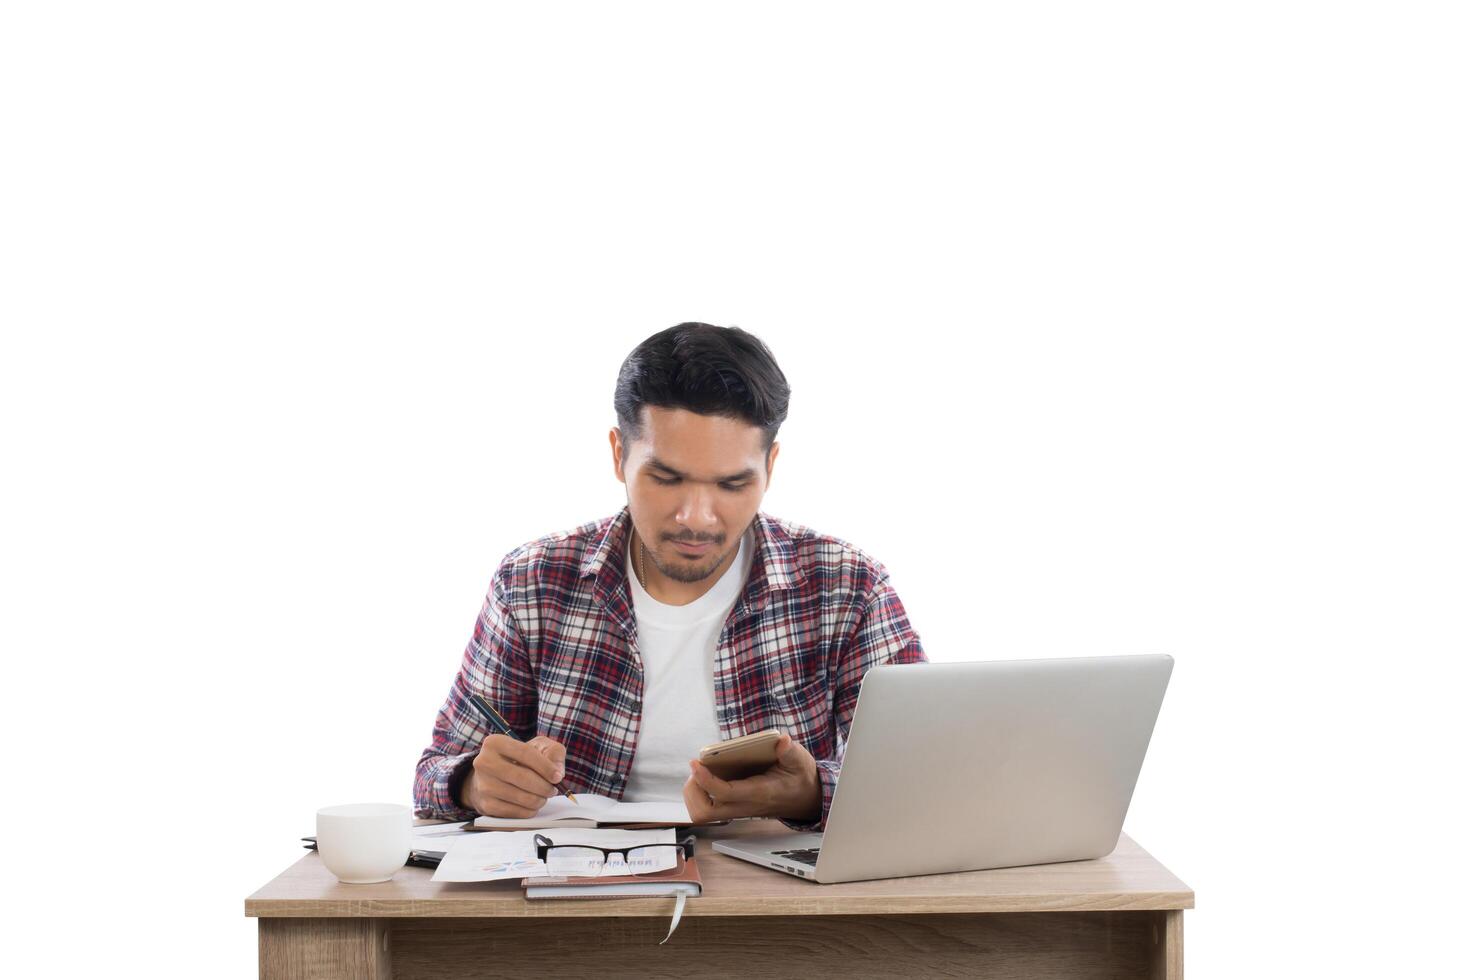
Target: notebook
679	882
591	810
682	880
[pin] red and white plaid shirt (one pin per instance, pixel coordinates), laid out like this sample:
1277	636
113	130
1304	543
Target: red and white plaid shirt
555	650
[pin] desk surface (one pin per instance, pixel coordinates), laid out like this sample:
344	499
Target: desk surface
1127	879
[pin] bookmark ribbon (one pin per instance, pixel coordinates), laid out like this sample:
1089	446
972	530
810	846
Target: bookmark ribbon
677	914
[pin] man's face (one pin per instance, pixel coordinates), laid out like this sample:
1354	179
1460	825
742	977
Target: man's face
692	480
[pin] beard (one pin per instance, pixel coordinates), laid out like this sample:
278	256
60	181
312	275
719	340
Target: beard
689	570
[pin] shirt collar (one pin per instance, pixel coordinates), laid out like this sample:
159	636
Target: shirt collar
773	569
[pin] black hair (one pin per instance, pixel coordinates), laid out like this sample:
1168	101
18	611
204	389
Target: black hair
705	369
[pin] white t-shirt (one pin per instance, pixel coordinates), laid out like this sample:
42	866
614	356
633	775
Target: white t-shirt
677	644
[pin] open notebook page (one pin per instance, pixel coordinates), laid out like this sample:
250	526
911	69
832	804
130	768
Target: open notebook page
603	809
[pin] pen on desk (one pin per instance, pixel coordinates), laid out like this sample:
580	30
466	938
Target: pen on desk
502	727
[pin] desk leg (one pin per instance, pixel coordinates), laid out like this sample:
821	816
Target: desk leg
324	949
1168	946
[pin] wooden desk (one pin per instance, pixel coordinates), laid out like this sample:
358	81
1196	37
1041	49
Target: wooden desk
1120	916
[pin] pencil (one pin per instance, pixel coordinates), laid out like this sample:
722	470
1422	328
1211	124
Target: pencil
502	727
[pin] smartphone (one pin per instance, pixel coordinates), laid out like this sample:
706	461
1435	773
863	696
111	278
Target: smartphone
737	758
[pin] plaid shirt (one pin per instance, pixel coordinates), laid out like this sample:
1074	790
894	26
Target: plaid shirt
555	650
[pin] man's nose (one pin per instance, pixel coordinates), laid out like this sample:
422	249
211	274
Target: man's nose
696	510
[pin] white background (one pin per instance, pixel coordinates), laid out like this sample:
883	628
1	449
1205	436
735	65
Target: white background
1112	328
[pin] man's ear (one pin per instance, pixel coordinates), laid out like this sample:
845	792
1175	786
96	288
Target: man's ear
615	438
770	464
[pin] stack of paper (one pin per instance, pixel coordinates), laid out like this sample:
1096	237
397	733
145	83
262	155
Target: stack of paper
681	880
432	840
512	854
493	857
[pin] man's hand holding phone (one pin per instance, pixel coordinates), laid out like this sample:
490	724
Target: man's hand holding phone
511	778
789	789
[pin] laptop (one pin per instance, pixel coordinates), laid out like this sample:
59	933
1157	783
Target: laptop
966	766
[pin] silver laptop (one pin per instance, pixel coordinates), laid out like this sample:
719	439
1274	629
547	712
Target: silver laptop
963	766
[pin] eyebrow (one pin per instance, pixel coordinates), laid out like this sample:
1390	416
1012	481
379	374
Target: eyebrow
657	463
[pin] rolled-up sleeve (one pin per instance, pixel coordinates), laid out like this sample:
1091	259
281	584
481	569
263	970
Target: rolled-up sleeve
497	667
882	635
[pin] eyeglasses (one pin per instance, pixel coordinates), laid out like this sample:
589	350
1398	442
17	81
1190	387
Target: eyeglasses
584	859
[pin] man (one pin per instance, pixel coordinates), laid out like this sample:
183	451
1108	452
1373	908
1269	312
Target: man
621	647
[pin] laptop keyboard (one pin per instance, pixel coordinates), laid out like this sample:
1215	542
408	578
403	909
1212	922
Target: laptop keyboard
801	855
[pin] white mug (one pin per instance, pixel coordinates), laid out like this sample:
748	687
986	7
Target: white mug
362	843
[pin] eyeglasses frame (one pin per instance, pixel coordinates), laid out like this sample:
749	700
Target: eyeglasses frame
544	845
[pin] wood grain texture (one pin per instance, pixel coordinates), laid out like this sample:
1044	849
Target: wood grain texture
1168	946
324	949
1080	945
1127	879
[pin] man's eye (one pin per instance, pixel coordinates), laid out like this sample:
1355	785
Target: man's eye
733	488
